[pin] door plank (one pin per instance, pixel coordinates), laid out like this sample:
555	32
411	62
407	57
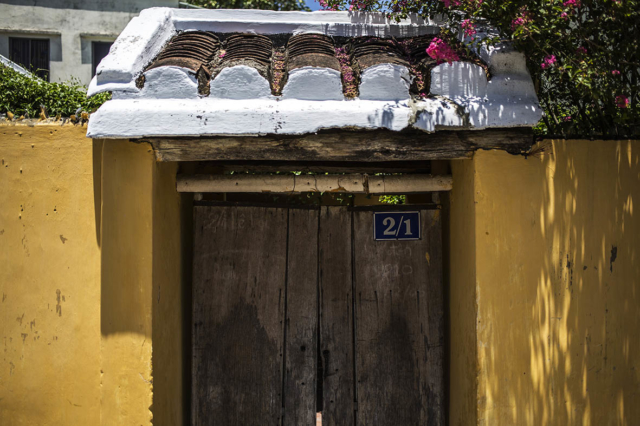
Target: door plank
433	319
238	315
398	326
301	319
336	320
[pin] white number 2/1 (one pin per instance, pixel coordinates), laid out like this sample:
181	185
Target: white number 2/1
391	223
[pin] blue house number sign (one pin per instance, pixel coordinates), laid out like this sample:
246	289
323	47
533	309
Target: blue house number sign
396	226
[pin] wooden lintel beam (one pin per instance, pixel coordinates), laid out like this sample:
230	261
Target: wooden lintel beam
350	183
369	167
354	146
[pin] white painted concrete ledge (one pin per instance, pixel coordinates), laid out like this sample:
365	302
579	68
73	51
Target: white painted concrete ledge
132	118
240	100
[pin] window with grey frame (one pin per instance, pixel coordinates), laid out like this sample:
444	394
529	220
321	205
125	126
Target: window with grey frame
31	53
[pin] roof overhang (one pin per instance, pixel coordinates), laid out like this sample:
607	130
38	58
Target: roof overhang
170	103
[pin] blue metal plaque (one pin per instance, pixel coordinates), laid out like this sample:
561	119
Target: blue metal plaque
396	226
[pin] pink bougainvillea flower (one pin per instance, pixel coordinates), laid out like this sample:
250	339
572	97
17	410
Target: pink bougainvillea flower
567	118
325	5
549	60
622	101
519	21
571	3
615	73
564	16
473	4
469	27
348	76
581	50
448	3
522	20
441	51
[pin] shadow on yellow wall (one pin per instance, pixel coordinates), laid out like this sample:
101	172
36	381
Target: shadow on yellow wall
146	238
557	283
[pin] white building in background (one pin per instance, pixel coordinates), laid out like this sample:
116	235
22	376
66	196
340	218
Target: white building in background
65	38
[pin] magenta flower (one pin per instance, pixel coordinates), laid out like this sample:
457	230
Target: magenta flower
567	118
348	76
448	3
622	101
549	60
519	21
522	20
564	16
469	28
615	73
325	5
571	3
581	50
441	51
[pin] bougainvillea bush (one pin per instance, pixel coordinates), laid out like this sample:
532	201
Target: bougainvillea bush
251	4
583	55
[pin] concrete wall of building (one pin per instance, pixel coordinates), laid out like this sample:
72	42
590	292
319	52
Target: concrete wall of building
71	26
549	306
93	280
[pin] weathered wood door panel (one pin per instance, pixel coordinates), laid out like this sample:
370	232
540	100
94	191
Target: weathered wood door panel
238	292
297	310
301	330
336	317
398	351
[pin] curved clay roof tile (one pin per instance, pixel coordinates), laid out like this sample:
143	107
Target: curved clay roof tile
190	50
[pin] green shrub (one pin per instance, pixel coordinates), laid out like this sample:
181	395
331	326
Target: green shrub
24	95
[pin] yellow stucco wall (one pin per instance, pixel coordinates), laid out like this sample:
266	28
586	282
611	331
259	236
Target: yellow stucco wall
127	267
172	246
143	283
556	282
462	297
49	278
142	287
92	276
544	284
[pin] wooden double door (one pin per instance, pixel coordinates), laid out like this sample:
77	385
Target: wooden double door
298	311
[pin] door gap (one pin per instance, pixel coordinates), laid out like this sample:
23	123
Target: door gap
320	367
285	325
354	322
